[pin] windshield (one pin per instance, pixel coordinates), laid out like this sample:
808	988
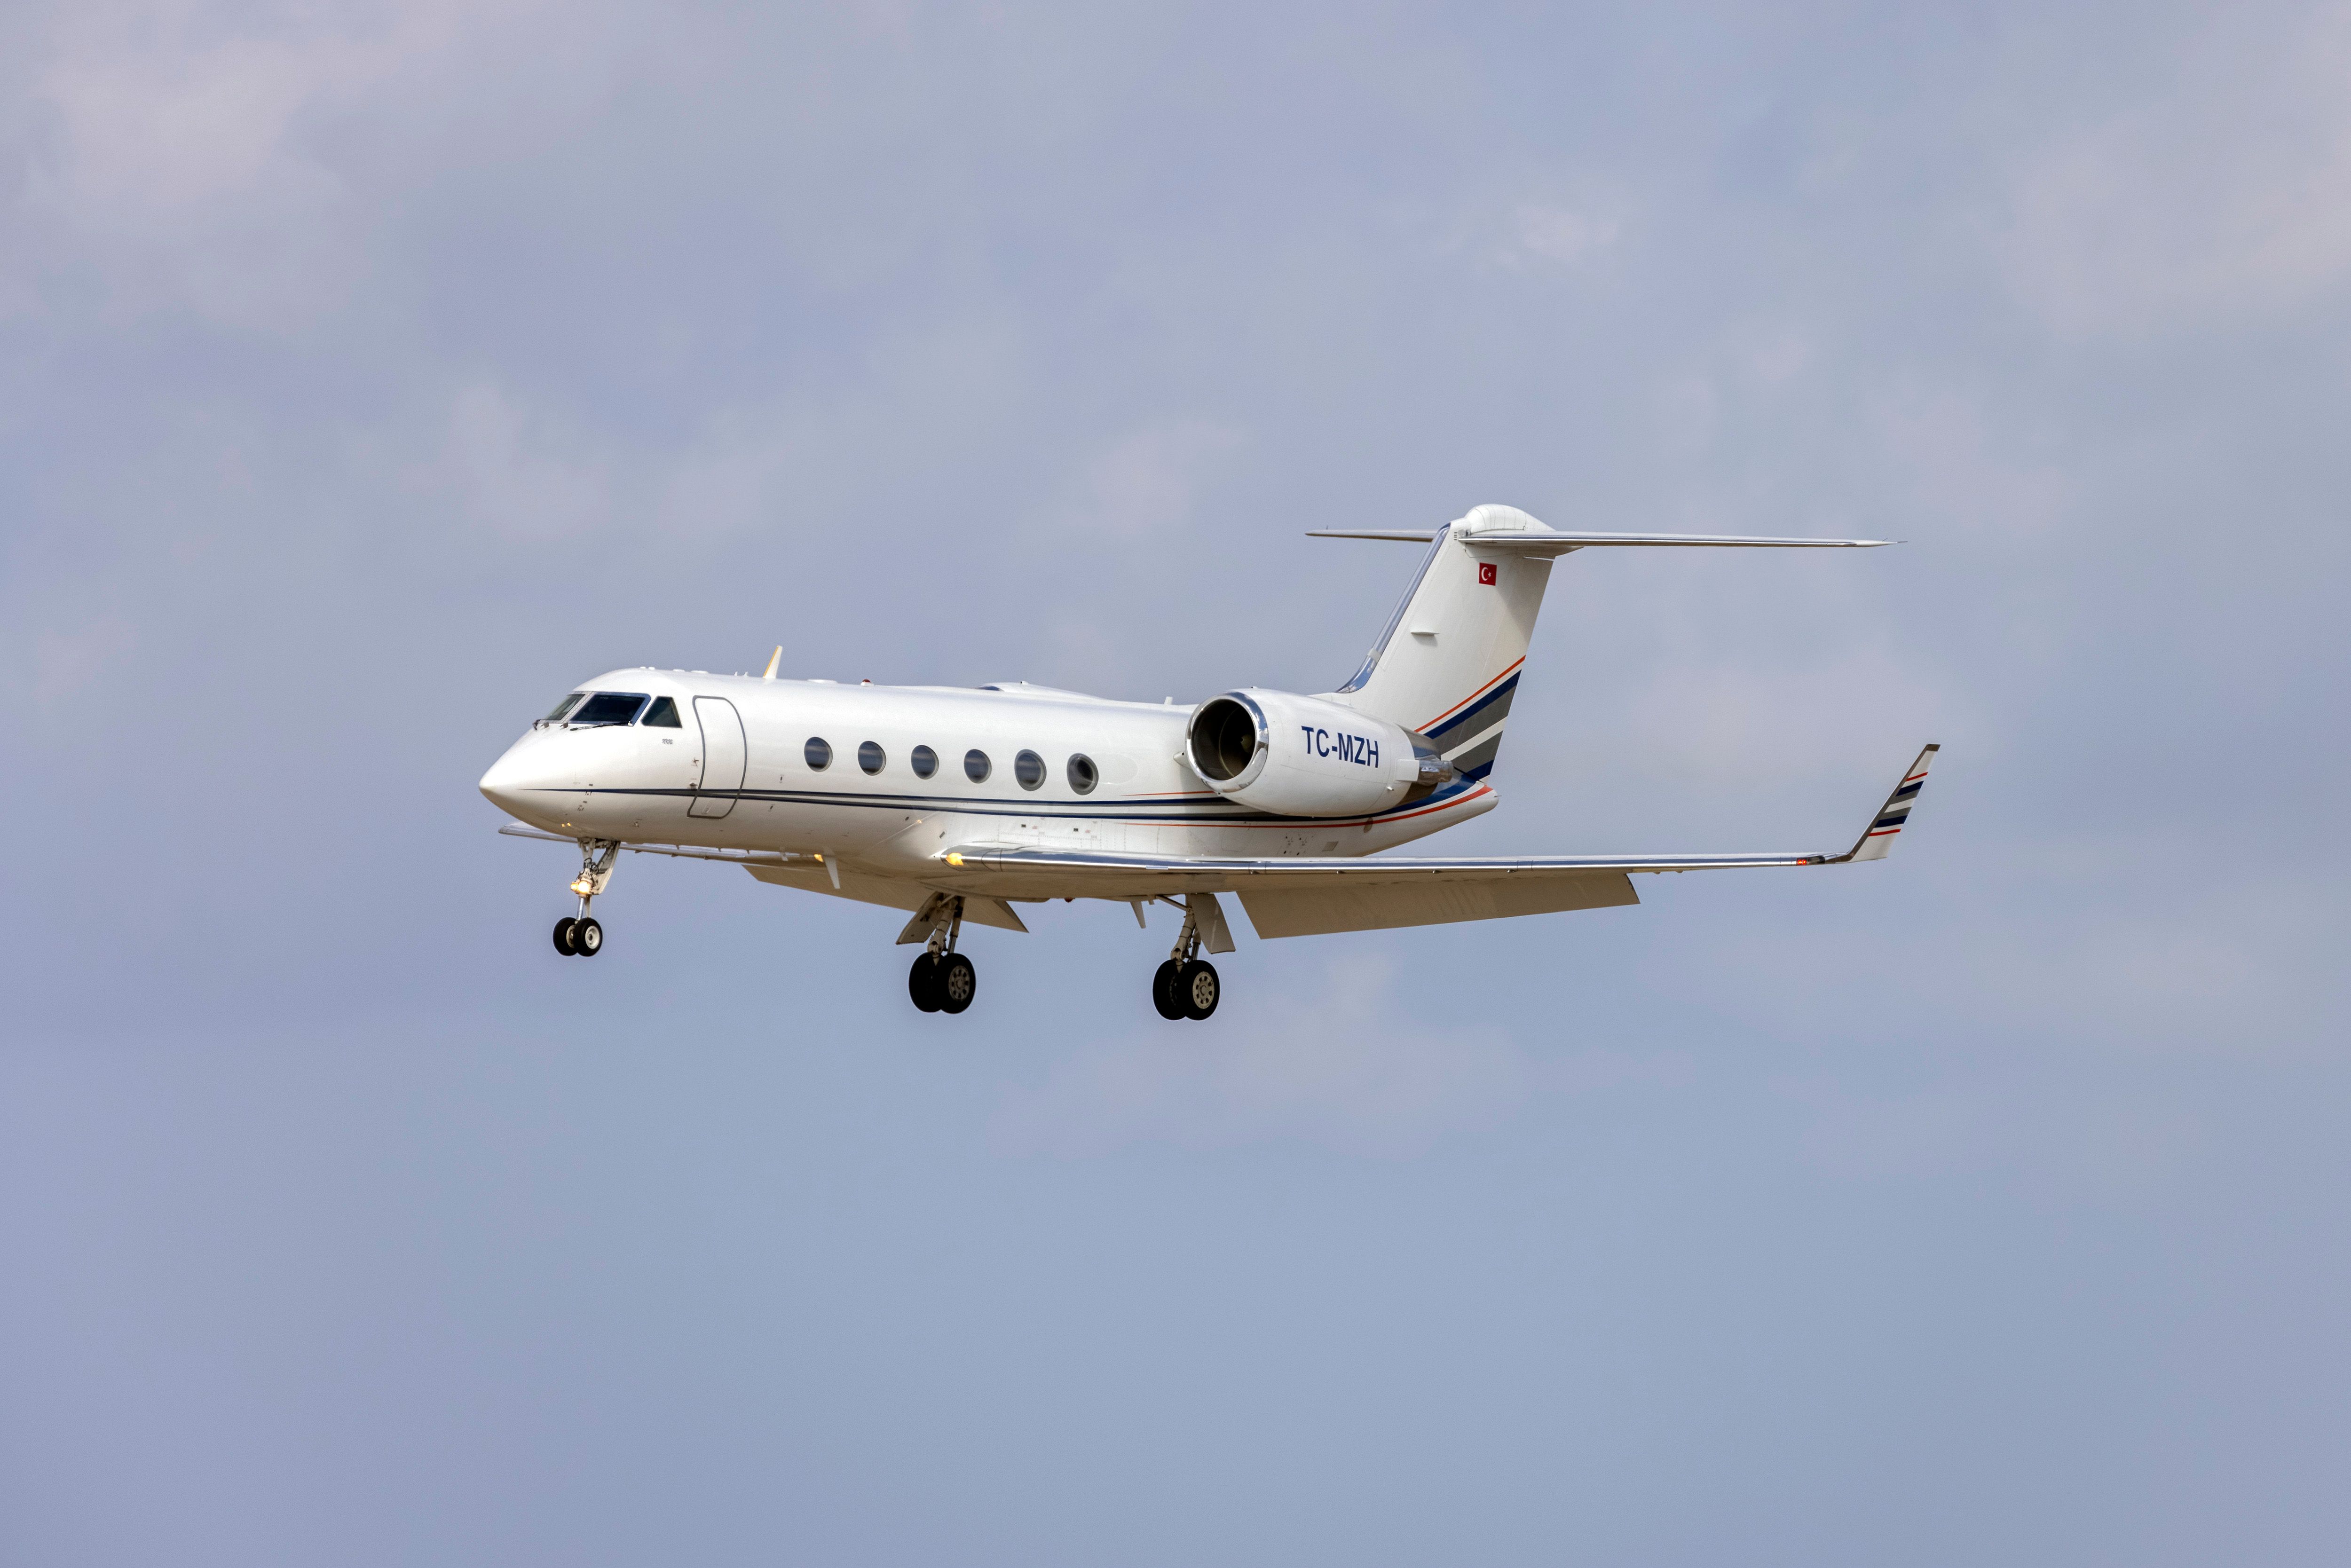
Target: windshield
566	705
607	707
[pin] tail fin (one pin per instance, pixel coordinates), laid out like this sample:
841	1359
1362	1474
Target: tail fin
1447	664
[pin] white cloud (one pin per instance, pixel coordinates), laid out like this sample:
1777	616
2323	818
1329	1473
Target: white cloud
176	168
1544	234
1345	1067
66	662
2227	197
1146	482
516	472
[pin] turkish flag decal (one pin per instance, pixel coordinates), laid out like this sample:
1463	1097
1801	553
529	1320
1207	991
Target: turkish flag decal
1486	574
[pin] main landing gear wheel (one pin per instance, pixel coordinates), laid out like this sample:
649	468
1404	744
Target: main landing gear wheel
563	936
922	982
588	939
942	981
1197	989
958	983
1186	986
1163	991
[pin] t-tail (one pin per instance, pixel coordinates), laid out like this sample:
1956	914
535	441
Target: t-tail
1446	667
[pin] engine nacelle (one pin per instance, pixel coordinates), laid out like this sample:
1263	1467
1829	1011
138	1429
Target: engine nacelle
1302	757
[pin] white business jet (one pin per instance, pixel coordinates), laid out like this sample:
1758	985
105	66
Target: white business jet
958	804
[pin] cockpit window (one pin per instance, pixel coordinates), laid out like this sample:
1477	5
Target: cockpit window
566	705
663	713
607	707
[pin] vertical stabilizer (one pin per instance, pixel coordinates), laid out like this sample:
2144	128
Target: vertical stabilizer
1447	666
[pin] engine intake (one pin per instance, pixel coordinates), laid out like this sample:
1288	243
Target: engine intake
1228	737
1303	756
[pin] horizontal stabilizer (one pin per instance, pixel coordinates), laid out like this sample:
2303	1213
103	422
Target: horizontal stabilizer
1553	541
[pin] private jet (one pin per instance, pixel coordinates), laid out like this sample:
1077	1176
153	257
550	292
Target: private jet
959	804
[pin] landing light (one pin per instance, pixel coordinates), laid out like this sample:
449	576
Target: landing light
954	858
582	887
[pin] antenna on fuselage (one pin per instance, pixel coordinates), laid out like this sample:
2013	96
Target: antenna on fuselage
773	660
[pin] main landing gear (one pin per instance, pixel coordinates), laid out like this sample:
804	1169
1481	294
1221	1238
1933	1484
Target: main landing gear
943	980
1186	986
578	937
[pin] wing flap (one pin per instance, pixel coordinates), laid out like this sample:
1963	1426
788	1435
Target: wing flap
1343	905
980	909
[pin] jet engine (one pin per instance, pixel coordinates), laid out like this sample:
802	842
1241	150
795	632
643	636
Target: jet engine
1303	756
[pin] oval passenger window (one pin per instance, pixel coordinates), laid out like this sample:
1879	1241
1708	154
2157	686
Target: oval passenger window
869	757
926	760
975	767
818	752
1030	768
1083	775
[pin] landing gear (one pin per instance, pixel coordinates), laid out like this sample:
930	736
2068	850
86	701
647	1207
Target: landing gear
1197	988
1163	990
943	980
1185	986
922	982
958	983
579	937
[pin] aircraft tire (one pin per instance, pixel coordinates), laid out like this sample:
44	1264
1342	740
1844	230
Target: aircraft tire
587	938
563	936
1163	991
1197	989
922	982
958	983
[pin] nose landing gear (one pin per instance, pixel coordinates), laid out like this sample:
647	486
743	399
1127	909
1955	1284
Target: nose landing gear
943	980
577	935
1185	986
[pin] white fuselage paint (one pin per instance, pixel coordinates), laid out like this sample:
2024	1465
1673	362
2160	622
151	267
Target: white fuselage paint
639	783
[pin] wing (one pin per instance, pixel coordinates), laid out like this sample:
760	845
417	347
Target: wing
1298	896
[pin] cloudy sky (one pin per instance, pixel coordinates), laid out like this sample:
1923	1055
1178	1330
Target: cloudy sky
370	374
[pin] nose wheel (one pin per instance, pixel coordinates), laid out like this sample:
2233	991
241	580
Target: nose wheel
577	935
1185	986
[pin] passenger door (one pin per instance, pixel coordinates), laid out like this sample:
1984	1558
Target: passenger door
723	756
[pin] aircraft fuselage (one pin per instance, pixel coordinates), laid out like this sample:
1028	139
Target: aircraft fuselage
640	781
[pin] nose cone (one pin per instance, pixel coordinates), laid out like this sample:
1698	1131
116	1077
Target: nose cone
517	782
500	785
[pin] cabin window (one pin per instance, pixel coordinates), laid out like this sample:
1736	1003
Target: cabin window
1030	768
607	707
870	756
1083	774
925	761
662	715
818	752
566	705
975	766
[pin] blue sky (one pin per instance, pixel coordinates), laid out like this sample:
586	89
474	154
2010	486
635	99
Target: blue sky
371	374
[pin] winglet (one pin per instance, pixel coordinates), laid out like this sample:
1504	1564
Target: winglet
1877	837
773	660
